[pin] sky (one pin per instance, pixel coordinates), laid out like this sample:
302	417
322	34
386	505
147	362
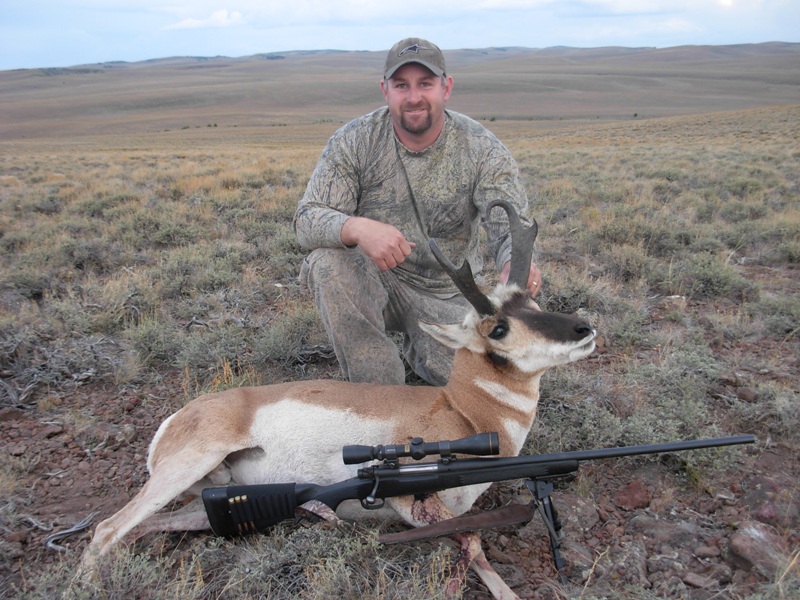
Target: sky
61	33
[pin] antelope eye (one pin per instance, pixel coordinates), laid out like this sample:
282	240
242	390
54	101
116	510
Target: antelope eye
500	330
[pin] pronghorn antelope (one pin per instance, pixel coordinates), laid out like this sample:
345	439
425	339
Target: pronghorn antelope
294	432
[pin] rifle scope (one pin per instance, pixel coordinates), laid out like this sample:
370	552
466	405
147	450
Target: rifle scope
481	444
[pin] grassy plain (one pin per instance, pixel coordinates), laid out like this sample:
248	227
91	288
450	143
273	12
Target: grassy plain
143	244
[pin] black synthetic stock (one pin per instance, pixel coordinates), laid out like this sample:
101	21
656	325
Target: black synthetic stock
240	509
248	508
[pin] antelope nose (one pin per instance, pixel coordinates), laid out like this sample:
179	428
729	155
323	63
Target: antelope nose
584	329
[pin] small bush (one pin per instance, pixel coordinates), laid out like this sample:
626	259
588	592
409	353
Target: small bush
283	339
781	316
203	349
776	413
627	328
704	276
155	341
736	211
627	262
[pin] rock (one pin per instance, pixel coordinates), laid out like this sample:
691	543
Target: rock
497	555
11	414
628	564
698	581
667	563
683	534
109	436
511	574
18	537
758	547
17	448
577	514
580	563
49	431
772	502
669	587
747	394
634	495
706	552
720	572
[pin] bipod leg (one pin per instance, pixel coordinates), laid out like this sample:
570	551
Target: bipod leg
541	490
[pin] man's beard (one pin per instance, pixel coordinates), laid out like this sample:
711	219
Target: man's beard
418	129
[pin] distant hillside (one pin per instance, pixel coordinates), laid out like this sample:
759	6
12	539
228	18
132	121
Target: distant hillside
331	85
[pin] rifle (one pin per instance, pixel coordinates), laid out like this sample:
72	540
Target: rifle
242	509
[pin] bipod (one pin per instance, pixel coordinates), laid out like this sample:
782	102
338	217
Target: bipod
541	488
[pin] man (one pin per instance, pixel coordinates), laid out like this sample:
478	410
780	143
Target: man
386	183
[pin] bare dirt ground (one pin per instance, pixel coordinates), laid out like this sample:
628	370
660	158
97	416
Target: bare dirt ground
627	525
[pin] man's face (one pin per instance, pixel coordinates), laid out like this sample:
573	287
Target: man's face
416	99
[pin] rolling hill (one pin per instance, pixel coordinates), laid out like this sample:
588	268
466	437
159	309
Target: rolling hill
558	83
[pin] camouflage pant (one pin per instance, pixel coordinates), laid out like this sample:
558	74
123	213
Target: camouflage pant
359	304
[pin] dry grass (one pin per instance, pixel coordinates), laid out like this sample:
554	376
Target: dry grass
171	251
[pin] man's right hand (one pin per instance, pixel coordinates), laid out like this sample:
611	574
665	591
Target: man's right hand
384	244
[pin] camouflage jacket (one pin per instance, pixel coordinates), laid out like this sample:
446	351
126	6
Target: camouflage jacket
365	171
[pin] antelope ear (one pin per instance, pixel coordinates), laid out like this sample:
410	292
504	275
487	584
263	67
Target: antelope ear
453	336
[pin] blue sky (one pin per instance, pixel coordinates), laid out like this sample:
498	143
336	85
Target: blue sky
57	33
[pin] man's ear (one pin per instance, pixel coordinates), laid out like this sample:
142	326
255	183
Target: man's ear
448	87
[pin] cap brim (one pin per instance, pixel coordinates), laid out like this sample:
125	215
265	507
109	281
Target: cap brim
432	68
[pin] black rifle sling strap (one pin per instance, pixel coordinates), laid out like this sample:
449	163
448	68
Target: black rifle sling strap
417	209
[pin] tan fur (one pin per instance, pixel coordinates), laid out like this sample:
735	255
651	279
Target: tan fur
294	432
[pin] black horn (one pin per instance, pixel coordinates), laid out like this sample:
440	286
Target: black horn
522	239
465	282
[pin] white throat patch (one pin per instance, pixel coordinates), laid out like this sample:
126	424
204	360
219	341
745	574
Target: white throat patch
502	394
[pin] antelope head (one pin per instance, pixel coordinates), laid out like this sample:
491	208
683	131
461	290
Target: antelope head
508	326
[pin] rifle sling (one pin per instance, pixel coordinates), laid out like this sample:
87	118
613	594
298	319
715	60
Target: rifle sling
512	514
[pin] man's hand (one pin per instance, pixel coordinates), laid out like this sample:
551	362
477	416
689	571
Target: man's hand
534	278
384	244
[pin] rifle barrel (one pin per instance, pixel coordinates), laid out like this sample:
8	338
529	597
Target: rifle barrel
645	449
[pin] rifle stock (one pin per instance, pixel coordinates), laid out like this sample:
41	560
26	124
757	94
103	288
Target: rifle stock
241	509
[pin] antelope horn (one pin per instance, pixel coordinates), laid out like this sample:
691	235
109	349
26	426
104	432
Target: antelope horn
522	239
464	281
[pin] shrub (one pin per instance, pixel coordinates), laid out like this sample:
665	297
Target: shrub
705	276
204	349
286	335
155	341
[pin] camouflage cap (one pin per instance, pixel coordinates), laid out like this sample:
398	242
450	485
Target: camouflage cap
414	50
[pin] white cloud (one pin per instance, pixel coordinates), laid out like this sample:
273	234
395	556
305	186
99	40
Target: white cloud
219	18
